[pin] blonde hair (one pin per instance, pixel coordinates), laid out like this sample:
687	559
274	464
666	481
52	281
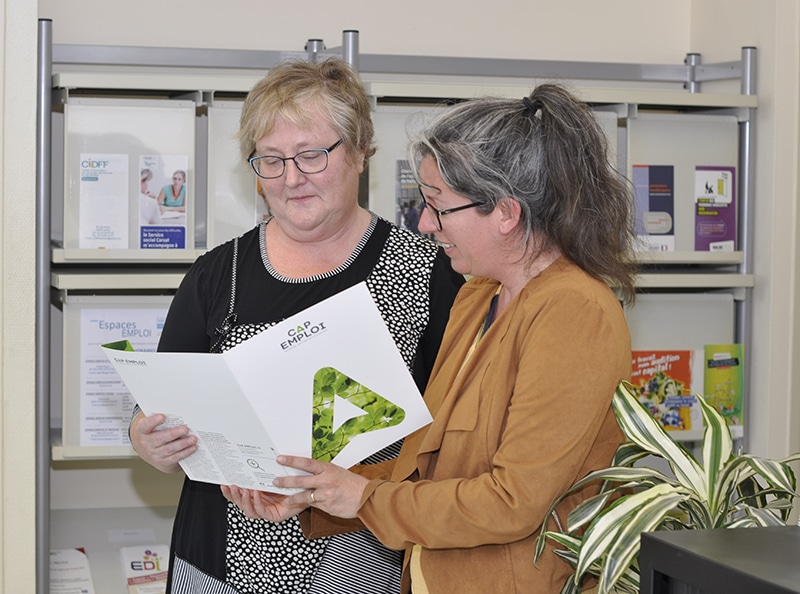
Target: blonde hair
292	89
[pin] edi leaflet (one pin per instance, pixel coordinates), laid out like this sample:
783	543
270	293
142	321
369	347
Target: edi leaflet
724	380
663	380
145	568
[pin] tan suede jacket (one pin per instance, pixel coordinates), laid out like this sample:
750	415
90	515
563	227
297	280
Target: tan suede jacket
528	416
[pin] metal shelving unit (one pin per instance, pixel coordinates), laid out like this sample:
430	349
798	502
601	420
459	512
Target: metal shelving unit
206	75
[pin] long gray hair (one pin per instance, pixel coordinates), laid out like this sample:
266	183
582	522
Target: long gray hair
548	153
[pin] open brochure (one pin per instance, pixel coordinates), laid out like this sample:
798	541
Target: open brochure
327	383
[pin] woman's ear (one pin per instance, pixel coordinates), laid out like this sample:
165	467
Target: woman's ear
510	213
361	161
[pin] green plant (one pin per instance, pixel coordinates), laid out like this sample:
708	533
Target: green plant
726	490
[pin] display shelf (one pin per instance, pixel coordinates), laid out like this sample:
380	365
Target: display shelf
60	452
103	532
157	81
737	432
592	95
702	258
116	281
99	256
171	83
698	280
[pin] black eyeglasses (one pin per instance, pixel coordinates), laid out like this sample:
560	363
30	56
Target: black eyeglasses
310	161
437	219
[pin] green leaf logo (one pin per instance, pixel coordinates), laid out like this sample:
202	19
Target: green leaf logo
344	408
120	345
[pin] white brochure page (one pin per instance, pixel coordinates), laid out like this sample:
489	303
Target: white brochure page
328	383
198	390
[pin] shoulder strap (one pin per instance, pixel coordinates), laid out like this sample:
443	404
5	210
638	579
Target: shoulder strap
230	320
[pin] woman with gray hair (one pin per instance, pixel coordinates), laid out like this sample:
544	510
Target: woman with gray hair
521	196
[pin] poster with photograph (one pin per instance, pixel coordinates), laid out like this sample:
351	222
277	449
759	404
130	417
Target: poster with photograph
164	201
103	191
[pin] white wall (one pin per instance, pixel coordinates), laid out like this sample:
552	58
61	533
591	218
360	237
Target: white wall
773	26
640	31
612	30
17	293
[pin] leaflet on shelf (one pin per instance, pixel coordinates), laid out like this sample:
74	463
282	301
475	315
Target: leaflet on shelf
105	403
70	572
715	209
328	382
724	380
654	189
666	383
163	203
145	568
103	206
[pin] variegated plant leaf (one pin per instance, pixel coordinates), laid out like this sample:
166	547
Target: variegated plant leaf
637	479
733	474
628	582
777	473
625	548
573	543
605	529
727	491
695	513
569	588
764	517
640	427
744	521
628	453
643	476
717	444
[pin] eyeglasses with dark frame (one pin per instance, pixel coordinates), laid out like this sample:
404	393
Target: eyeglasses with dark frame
437	219
308	162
